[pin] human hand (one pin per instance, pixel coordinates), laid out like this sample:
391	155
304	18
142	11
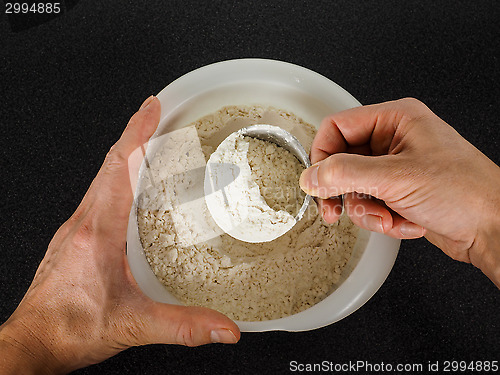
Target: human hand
426	180
84	306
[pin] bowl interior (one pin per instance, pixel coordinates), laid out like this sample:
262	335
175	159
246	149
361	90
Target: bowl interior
311	97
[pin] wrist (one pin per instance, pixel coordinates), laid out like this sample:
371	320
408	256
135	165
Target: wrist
485	252
24	353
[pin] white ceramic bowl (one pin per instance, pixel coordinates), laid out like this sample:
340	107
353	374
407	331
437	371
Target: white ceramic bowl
310	96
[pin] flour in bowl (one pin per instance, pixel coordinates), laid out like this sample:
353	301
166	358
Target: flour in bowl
242	176
200	264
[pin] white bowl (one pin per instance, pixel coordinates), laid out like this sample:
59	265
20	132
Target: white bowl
310	96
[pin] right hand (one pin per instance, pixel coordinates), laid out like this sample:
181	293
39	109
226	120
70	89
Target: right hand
407	173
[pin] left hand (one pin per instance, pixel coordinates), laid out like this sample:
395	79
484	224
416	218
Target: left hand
84	306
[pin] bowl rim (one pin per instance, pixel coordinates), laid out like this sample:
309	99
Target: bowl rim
380	251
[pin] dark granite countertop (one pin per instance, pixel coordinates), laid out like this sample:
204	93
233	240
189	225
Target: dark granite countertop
69	85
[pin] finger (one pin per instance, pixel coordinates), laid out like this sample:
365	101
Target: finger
404	229
189	325
347	173
330	209
367	213
328	140
375	216
375	125
360	150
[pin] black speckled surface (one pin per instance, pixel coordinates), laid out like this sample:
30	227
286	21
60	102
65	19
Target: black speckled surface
69	85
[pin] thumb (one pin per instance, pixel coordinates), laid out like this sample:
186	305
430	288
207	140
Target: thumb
114	184
346	173
189	325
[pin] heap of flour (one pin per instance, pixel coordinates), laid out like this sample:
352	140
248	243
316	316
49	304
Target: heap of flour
233	194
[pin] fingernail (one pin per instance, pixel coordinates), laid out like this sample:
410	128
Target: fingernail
408	229
373	223
323	212
146	102
309	178
225	336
